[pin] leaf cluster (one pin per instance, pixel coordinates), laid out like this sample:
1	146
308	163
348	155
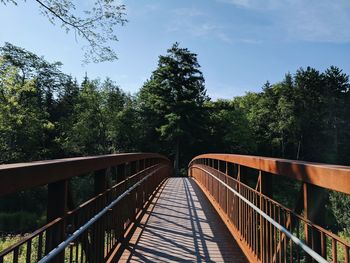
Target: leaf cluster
97	26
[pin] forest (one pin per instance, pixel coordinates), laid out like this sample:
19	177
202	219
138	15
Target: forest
47	114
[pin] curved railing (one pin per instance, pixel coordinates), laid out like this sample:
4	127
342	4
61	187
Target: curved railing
266	230
136	177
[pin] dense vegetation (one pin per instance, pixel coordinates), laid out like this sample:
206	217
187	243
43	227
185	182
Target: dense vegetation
47	114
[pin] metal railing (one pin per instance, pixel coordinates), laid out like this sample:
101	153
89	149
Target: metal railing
93	238
266	230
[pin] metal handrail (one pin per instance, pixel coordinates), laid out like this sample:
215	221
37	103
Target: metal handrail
295	239
60	248
305	220
328	176
21	176
69	213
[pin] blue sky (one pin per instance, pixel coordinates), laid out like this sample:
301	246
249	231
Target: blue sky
240	43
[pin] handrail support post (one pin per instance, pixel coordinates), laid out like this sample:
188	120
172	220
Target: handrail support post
56	207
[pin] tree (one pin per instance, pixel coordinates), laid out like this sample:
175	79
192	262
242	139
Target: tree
95	26
174	97
23	124
49	83
87	136
337	114
229	130
122	122
67	100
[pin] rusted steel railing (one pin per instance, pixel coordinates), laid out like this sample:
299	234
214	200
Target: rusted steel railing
265	230
137	177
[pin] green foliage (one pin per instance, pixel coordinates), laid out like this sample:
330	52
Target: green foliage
20	221
172	100
46	114
229	128
289	119
122	119
96	26
87	136
22	123
340	204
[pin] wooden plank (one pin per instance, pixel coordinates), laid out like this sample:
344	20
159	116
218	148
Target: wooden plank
181	226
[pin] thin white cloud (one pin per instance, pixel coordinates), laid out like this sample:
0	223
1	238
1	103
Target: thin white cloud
198	29
321	21
198	24
146	10
250	41
254	4
225	38
209	30
188	12
300	20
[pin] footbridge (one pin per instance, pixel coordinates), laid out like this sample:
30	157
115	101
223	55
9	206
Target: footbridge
225	210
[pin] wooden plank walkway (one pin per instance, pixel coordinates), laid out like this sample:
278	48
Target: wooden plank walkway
181	226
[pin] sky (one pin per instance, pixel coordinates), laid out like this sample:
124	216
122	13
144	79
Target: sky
240	44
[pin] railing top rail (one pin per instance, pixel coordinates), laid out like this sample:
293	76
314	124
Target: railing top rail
20	176
333	177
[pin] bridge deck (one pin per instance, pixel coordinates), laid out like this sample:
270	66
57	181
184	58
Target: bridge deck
181	226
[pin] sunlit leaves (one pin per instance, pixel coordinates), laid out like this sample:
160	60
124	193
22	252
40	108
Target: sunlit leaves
96	26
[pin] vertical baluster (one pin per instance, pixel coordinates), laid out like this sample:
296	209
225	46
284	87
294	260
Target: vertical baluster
334	250
270	229
280	241
239	200
40	244
29	251
290	240
260	218
248	221
82	254
275	233
108	230
77	250
323	245
285	237
71	253
346	253
267	249
111	225
219	177
15	255
227	191
251	215
56	207
245	217
280	234
298	236
256	228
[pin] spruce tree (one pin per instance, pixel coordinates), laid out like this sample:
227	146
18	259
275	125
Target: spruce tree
173	99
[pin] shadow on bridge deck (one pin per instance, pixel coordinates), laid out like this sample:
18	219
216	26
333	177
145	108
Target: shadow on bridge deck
181	226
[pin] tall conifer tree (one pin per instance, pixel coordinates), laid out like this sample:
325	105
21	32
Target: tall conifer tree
176	93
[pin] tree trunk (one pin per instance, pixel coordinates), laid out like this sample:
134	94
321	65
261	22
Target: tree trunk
298	151
177	150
